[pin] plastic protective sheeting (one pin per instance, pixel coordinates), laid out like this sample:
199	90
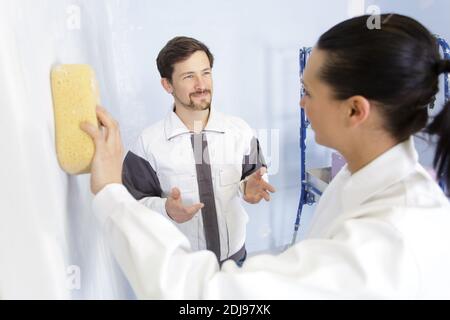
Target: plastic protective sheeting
50	242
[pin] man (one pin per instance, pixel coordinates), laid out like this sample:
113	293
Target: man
191	166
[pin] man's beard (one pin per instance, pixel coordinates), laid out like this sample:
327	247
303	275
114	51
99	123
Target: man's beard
204	105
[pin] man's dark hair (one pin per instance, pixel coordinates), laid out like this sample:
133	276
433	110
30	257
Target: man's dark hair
176	50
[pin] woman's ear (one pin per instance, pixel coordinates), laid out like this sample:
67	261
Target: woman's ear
357	110
167	85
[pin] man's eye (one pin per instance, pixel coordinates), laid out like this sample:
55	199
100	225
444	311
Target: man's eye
188	77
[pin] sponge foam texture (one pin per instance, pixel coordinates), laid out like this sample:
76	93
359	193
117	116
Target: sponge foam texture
75	96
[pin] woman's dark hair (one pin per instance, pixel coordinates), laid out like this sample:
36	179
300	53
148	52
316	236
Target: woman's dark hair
176	50
396	66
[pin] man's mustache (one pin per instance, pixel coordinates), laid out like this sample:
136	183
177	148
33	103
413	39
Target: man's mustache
200	92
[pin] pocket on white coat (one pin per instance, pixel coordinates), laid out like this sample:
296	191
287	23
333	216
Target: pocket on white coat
229	177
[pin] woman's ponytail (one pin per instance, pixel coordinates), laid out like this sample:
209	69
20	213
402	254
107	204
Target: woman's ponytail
443	66
440	126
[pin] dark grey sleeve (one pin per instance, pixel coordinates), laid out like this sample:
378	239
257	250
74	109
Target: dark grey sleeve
254	160
140	178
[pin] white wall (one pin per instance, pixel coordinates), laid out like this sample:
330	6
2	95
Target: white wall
50	242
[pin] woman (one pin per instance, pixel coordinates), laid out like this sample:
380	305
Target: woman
380	230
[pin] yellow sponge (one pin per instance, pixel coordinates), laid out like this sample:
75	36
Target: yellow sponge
75	96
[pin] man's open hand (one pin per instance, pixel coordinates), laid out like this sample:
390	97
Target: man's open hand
177	211
257	188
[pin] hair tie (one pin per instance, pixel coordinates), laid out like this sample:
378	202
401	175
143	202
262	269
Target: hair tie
443	66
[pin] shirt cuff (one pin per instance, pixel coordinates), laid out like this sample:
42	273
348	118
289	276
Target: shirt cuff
156	204
242	187
162	208
106	200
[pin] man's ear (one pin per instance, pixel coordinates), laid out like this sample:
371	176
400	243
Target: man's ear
357	109
167	85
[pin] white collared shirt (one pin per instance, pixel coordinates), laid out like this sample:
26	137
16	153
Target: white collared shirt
163	159
382	232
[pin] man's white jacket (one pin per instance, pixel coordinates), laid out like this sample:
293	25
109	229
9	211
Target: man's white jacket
163	158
